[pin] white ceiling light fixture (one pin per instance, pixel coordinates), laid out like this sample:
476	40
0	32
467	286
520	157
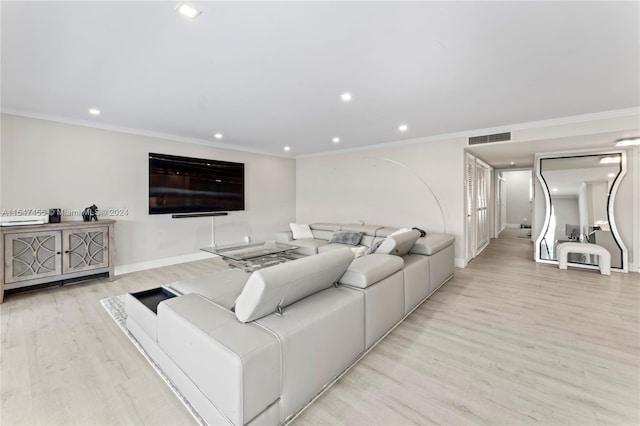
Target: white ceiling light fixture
628	142
346	97
188	10
611	175
94	111
610	160
218	136
336	140
403	127
287	148
555	189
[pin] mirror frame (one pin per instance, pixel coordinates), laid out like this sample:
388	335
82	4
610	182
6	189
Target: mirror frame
610	203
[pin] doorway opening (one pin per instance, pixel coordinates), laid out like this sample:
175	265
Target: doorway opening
514	203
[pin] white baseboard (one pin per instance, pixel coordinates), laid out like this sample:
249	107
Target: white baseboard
142	266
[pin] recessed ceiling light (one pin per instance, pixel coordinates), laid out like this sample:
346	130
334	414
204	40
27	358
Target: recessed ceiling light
336	140
610	160
611	175
346	97
218	136
94	111
555	189
513	163
287	148
403	127
628	142
188	11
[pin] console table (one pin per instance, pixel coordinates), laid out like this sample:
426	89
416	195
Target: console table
55	252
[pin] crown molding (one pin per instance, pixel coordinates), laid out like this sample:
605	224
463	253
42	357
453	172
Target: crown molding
138	132
628	112
462	134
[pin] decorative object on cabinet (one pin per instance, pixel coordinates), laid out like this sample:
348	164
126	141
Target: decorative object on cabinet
54	215
90	213
55	253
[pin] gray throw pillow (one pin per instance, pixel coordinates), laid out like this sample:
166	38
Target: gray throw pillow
346	237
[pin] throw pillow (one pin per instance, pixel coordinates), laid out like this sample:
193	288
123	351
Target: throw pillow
399	231
300	231
346	237
359	251
399	243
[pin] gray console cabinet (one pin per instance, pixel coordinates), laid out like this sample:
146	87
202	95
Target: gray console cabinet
40	254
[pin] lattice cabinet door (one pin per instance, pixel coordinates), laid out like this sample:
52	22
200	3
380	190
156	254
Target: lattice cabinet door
85	249
31	255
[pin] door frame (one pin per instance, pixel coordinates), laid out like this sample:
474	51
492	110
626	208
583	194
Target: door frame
471	231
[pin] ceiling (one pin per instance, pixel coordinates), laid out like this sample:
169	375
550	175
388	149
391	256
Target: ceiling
270	74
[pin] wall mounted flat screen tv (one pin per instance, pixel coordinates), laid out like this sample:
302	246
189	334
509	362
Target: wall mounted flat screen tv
194	185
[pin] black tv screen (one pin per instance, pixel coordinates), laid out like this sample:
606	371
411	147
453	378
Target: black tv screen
194	185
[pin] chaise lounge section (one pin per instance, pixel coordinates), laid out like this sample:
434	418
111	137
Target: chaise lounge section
256	348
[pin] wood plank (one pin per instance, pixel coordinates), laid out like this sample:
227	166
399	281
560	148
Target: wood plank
506	341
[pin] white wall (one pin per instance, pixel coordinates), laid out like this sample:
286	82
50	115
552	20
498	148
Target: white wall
567	212
518	203
387	186
47	164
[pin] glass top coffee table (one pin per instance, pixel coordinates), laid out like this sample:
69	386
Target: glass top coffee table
254	256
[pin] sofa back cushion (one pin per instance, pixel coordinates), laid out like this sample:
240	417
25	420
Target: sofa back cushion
399	244
324	231
281	285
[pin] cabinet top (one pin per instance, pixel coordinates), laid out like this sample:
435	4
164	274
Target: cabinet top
51	226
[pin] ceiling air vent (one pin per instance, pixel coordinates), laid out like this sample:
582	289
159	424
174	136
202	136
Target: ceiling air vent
497	137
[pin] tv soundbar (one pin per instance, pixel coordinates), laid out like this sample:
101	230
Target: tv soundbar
185	215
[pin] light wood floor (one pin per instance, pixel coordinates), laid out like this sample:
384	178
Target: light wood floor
506	341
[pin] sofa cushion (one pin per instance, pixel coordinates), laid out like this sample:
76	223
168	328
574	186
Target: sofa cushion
236	366
385	231
370	230
325	226
300	231
368	270
399	244
432	243
220	287
281	285
358	251
322	234
309	247
346	237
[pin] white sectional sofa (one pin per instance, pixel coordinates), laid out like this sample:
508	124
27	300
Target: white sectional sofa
430	259
256	348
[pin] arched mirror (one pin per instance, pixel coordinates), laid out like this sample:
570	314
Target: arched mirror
580	192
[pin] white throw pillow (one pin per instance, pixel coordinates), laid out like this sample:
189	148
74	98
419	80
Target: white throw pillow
399	231
359	251
300	231
399	243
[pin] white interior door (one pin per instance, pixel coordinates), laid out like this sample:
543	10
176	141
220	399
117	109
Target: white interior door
469	195
482	222
502	204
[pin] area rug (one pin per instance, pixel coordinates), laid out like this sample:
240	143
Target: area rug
115	307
